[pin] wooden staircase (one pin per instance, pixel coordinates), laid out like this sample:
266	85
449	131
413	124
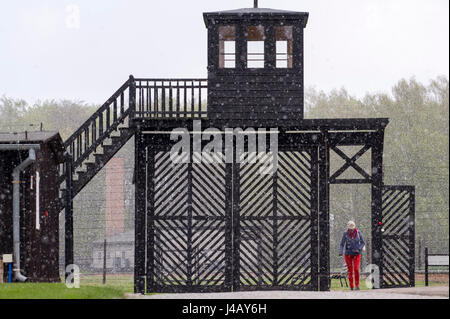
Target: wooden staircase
98	139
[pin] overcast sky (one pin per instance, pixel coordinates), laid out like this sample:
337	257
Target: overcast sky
362	45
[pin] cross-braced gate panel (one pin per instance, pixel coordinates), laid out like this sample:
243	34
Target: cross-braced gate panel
189	231
275	241
397	268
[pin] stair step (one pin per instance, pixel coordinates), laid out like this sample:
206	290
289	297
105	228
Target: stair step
108	147
90	166
99	158
116	138
105	148
124	129
80	174
85	175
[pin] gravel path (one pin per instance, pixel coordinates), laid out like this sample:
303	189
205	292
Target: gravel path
398	293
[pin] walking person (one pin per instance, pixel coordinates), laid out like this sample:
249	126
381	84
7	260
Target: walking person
352	244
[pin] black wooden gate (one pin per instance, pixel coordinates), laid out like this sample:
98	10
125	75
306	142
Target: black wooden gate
216	226
188	224
398	249
275	221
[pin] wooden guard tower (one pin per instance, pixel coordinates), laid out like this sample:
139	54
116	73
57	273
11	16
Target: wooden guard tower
255	64
223	225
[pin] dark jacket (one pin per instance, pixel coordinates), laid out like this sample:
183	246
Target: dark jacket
352	246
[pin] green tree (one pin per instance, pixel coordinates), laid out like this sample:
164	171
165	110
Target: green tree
64	116
11	114
416	146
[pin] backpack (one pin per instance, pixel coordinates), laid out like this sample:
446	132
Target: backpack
359	241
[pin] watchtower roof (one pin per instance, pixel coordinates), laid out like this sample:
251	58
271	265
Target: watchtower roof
254	13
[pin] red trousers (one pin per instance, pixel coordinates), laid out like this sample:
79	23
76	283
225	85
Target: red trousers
353	262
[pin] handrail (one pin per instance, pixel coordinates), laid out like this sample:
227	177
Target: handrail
89	136
171	79
153	98
97	113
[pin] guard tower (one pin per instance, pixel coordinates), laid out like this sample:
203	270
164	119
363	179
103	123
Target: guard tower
255	63
224	226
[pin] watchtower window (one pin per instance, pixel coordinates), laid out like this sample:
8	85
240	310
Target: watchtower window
227	47
255	47
284	44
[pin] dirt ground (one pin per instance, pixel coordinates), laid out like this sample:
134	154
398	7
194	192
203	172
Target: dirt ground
441	292
438	278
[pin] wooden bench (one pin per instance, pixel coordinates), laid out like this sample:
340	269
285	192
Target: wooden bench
340	275
434	260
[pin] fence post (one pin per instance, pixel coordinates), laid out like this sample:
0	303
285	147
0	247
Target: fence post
132	97
426	266
1	269
369	251
104	262
419	257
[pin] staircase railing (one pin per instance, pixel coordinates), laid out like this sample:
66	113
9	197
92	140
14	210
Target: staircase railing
137	99
90	135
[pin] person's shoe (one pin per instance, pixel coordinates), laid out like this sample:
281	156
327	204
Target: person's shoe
351	288
357	288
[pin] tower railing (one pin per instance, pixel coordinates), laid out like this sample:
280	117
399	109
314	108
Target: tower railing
170	98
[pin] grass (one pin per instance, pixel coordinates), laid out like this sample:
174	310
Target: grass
124	282
57	291
91	287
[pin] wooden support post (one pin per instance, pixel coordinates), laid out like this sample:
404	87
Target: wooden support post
314	219
132	97
369	250
104	262
229	225
426	266
324	214
412	235
236	223
68	239
377	201
275	228
189	230
139	251
150	185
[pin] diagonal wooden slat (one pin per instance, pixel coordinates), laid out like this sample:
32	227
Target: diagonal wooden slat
397	241
350	162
